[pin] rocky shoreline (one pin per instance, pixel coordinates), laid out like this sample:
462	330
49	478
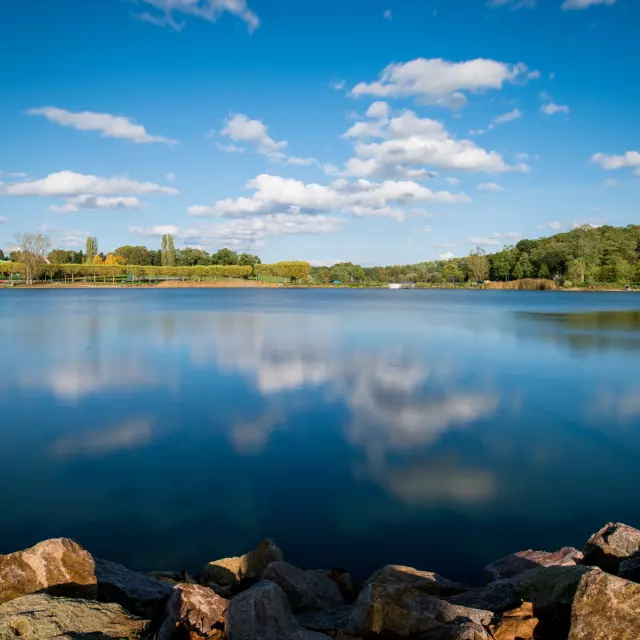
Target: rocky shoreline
57	589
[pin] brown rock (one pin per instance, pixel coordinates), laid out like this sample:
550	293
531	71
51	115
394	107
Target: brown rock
612	544
250	566
425	581
304	589
517	624
497	596
605	608
395	608
517	563
345	583
59	566
194	612
43	617
630	569
262	613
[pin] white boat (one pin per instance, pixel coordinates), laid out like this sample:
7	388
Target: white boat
395	286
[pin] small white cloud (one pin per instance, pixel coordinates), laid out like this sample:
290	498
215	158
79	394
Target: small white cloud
12	175
612	162
452	180
427	229
551	109
477	132
387	14
508	117
579	5
480	241
522	156
98	203
109	125
338	85
611	183
171	177
534	75
555	225
513	5
489	186
445	256
512	235
2	219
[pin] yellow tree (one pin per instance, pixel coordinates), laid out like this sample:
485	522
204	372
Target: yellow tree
97	259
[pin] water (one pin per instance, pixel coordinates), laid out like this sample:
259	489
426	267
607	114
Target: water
439	429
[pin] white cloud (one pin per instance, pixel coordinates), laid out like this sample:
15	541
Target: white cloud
445	256
171	177
255	133
480	241
95	203
452	180
514	5
522	156
508	117
512	235
109	125
338	85
275	194
489	186
387	14
249	232
2	219
12	174
427	229
592	225
611	183
209	10
440	82
534	75
69	184
612	162
477	132
578	5
379	109
410	144
63	237
551	109
555	225
324	263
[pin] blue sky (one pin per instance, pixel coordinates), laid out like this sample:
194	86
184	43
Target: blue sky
376	131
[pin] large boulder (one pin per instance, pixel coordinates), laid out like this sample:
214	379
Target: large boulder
605	607
250	566
44	617
630	569
138	593
425	581
610	545
59	566
398	609
262	613
517	624
497	596
304	589
517	563
194	612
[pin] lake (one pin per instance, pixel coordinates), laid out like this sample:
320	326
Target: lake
439	429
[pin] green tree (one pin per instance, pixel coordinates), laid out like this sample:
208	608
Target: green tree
91	250
164	250
138	256
248	260
225	257
451	272
171	252
518	271
323	275
543	272
478	265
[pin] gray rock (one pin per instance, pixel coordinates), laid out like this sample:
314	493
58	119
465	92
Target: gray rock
497	596
388	608
610	545
630	569
59	566
304	589
194	611
329	621
425	581
464	631
262	613
517	563
43	617
605	607
250	566
143	595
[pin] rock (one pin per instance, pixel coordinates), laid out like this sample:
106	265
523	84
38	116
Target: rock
613	543
425	581
517	624
304	589
464	631
329	621
497	596
172	578
136	592
59	566
43	617
194	612
605	608
522	561
395	608
630	569
345	583
551	590
262	613
231	571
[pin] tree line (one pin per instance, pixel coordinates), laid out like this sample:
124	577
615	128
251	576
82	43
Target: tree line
583	256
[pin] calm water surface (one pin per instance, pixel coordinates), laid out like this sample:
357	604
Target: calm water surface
439	429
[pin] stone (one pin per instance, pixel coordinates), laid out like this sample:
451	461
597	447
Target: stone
250	566
610	545
630	569
517	563
44	617
345	583
172	578
304	589
262	613
395	608
464	631
497	596
605	607
136	592
59	566
425	581
329	621
194	612
517	624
